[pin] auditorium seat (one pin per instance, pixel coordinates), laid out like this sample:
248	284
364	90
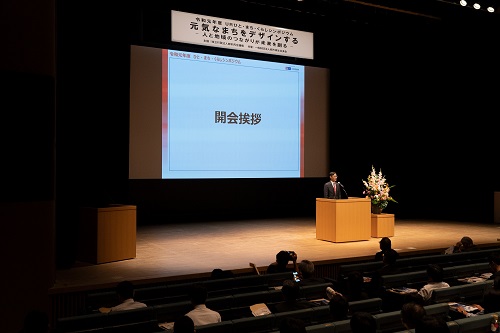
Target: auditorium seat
468	293
319	328
151	295
82	323
391	321
139	327
222	327
306	315
170	311
439	309
404	279
253	324
371	305
474	324
130	321
314	291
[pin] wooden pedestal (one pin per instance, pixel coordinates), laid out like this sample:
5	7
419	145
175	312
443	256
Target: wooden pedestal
496	207
107	234
382	225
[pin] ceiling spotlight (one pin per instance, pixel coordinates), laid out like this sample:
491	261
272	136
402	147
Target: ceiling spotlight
490	9
476	6
463	3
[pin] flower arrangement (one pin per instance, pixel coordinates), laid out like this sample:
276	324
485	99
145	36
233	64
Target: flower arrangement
377	189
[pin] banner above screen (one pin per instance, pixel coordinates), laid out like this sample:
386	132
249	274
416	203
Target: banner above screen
238	35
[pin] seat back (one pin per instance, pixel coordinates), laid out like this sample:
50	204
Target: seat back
220	303
476	324
221	327
451	294
320	328
321	314
247	299
306	315
389	321
151	295
371	305
342	326
116	318
81	323
253	324
139	327
95	300
473	292
315	291
403	279
170	311
441	310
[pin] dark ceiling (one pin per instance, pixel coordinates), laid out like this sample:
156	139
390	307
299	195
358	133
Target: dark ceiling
449	10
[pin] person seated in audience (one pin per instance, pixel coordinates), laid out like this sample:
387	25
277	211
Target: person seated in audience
490	304
306	274
494	260
355	287
218	273
184	324
385	244
201	315
431	324
36	321
434	281
389	267
363	322
411	313
292	325
281	263
491	299
465	245
125	294
339	307
291	298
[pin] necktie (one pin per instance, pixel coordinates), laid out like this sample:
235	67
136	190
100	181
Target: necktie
334	189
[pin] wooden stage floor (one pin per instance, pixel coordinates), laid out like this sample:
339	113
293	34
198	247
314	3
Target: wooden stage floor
179	251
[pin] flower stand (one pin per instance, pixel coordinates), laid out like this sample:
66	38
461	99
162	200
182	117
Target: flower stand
382	225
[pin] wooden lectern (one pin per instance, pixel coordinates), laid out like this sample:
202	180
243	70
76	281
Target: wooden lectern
343	220
107	234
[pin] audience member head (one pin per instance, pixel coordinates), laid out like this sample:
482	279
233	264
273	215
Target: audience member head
125	290
466	242
218	273
411	313
339	307
431	324
363	322
292	325
306	268
184	324
390	257
385	244
282	258
290	290
36	321
495	262
198	294
435	273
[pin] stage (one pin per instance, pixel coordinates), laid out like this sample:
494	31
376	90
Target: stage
174	252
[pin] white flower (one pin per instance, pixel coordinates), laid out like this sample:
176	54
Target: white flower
377	189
